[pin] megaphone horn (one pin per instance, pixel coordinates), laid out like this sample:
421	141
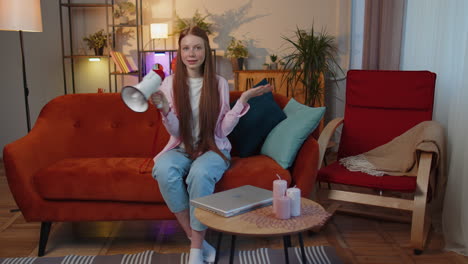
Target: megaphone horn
136	97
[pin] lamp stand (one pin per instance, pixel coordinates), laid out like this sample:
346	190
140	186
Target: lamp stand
154	46
25	83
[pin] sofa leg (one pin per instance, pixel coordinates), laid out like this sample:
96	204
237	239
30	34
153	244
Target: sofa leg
45	230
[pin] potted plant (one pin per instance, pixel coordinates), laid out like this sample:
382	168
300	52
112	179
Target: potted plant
274	64
314	55
197	20
237	51
123	10
281	65
97	42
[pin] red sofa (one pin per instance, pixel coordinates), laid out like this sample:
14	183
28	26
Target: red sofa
89	158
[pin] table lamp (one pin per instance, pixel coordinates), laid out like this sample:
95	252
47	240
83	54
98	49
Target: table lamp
21	15
159	31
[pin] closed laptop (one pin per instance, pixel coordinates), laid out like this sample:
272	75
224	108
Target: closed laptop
234	201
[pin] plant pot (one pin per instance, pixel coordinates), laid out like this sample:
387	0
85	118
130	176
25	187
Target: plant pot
123	20
265	67
274	66
237	64
240	62
99	51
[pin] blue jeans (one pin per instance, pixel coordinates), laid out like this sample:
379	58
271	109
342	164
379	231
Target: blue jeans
181	179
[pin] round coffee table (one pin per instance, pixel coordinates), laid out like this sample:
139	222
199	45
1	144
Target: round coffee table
262	222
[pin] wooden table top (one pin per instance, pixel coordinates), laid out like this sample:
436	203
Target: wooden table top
262	221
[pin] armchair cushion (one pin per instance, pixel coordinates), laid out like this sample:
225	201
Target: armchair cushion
287	137
252	129
336	173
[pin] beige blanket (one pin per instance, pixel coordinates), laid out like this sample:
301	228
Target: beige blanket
400	156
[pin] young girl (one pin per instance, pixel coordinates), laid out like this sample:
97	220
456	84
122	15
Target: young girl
194	104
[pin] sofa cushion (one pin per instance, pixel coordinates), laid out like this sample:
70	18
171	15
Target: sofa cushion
119	179
258	170
99	179
284	140
264	114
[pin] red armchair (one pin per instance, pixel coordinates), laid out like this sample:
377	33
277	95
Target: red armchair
381	105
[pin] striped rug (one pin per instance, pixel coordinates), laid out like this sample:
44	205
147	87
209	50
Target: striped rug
315	255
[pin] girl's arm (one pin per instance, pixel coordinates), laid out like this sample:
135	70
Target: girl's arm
165	97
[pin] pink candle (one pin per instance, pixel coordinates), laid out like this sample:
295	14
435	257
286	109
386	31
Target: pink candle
283	207
279	189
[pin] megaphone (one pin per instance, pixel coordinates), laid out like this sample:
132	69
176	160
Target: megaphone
136	97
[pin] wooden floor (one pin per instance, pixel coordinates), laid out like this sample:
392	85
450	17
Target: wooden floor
356	239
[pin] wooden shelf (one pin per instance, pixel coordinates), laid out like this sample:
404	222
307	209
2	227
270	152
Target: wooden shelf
86	56
86	5
130	73
262	71
123	25
115	29
162	50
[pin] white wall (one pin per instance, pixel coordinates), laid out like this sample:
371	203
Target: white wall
260	22
44	73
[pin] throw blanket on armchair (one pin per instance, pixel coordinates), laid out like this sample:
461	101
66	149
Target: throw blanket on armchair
400	156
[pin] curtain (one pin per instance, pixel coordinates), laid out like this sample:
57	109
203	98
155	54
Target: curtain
455	214
436	39
383	27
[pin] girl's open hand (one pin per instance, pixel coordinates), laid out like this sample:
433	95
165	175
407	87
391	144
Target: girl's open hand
253	92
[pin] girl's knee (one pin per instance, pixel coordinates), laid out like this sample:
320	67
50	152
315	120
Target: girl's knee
200	175
169	165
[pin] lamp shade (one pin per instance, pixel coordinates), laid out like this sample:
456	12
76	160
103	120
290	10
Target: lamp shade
159	31
24	15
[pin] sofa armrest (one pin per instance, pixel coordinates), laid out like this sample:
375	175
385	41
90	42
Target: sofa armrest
24	157
304	170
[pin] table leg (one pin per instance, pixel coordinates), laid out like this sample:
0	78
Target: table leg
218	247
287	244
288	241
301	242
233	246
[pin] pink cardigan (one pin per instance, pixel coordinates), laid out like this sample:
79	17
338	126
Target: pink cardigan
227	119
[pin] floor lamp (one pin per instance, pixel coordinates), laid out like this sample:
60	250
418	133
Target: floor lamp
21	15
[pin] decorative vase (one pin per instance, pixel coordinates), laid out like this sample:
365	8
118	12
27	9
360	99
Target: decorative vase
99	51
237	64
240	63
123	20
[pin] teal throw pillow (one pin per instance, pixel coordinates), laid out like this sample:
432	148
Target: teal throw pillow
250	133
284	141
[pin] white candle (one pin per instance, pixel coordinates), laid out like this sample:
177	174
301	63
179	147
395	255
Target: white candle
295	195
279	190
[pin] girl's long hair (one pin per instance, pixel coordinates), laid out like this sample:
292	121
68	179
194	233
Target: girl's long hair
209	100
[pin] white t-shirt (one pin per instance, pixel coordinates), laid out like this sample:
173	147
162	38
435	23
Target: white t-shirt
195	87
